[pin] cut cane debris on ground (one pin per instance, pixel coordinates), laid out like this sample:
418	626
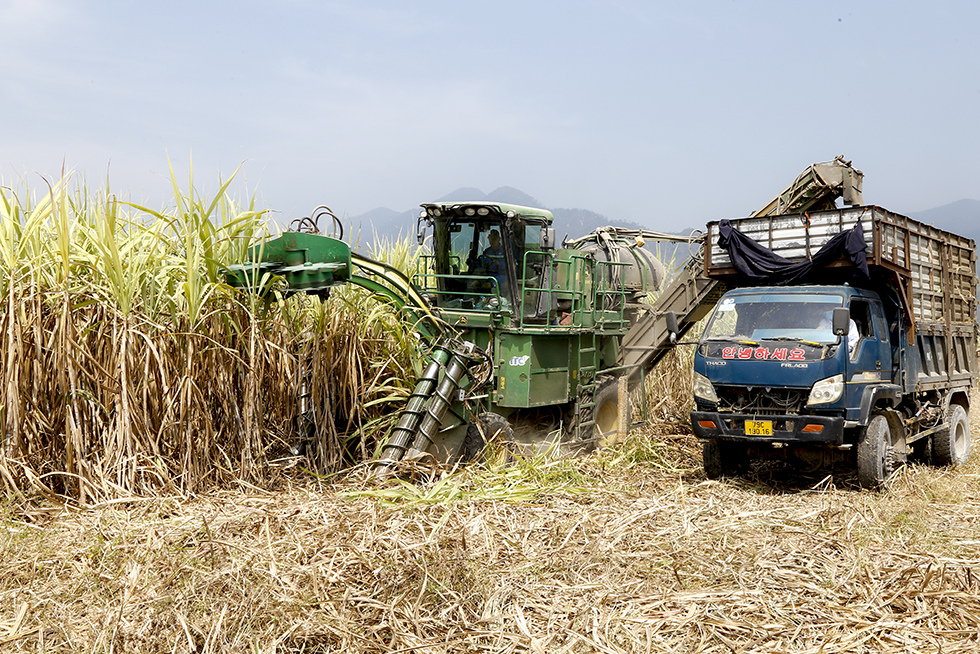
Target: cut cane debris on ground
626	550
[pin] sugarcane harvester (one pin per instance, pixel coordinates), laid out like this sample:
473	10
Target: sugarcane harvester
522	336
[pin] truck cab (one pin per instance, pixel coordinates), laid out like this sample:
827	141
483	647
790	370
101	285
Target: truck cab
770	366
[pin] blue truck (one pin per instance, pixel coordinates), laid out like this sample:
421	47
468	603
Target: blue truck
847	335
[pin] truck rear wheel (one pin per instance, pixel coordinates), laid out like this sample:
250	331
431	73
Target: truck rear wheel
875	454
724	459
488	427
951	446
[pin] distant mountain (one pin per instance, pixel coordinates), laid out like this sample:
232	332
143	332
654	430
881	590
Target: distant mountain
464	194
961	217
383	223
510	195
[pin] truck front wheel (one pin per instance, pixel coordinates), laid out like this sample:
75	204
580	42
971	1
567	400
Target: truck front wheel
951	446
875	454
723	459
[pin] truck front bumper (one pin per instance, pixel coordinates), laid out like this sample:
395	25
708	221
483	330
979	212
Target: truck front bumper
712	425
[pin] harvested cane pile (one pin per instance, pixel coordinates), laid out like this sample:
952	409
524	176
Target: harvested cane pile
628	550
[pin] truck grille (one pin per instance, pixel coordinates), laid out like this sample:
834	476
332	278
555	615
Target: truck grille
761	401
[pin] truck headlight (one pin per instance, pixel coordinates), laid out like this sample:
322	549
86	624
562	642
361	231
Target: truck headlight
827	390
704	389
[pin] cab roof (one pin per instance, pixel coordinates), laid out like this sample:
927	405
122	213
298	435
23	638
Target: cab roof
494	209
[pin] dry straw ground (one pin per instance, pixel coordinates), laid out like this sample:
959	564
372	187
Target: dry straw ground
628	550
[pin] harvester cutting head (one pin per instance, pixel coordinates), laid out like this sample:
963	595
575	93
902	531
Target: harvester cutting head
309	263
512	325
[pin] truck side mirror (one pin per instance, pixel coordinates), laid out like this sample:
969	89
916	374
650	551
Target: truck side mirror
841	321
672	326
547	241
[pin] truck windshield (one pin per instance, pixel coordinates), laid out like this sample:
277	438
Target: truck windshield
774	316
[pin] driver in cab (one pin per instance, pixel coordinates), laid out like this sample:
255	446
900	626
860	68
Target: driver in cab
491	262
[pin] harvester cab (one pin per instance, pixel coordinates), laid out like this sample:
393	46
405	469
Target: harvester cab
483	256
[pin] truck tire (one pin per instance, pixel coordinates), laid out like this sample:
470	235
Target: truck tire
951	446
875	455
724	459
486	427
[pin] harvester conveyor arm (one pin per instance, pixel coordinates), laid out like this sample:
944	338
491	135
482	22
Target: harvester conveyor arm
690	296
818	187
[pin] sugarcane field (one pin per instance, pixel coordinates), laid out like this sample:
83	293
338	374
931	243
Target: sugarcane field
224	435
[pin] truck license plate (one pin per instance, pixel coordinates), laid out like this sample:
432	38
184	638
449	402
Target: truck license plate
758	428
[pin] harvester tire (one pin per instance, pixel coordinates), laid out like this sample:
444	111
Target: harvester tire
606	412
951	446
488	427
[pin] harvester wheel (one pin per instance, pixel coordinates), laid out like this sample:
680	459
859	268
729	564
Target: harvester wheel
606	410
951	446
488	427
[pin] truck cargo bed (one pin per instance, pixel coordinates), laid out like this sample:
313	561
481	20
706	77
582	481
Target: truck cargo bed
936	267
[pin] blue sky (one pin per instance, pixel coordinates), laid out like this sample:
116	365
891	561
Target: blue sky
667	114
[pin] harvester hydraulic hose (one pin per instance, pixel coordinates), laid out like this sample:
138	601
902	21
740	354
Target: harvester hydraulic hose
404	431
441	401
